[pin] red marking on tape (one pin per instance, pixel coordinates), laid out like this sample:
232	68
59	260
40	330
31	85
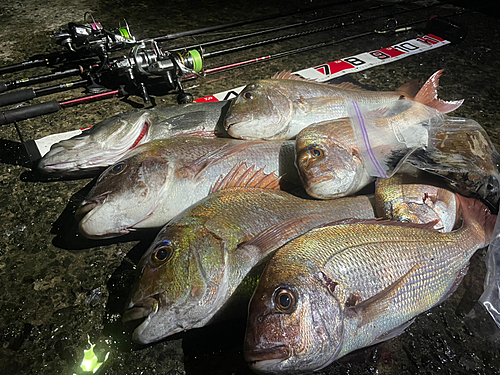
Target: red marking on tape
393	52
334	67
205	99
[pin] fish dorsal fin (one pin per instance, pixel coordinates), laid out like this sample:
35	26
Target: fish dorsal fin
227	150
277	235
369	310
243	176
287	74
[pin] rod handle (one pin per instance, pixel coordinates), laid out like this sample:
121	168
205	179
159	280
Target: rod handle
23	113
17	97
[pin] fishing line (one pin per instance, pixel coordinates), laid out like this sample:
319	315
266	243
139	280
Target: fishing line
284	27
247	22
313	31
404	27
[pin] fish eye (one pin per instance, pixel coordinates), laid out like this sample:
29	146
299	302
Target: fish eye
284	300
163	252
118	168
248	95
317	152
492	185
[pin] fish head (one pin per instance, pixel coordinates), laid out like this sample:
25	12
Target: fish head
295	324
413	199
262	110
180	282
125	194
99	146
328	167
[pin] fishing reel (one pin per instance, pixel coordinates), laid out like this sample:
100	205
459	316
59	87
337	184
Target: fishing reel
172	66
93	38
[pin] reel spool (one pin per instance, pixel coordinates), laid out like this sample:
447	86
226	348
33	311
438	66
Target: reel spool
172	66
93	38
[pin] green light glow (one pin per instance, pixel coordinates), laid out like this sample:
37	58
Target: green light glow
90	362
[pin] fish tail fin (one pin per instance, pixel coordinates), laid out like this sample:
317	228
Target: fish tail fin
474	211
428	95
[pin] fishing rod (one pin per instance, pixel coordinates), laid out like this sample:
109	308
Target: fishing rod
91	39
151	62
9	85
20	113
284	27
313	31
28	94
435	25
24	113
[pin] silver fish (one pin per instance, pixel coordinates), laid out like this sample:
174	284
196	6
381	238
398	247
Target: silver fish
159	179
199	258
349	285
102	145
279	108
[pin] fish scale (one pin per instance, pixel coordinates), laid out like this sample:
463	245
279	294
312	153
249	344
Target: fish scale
159	179
355	283
215	243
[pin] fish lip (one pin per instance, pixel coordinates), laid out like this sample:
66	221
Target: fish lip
146	307
236	120
88	205
275	354
84	209
228	125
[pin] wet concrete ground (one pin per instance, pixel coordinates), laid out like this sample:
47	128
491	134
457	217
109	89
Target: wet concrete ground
58	288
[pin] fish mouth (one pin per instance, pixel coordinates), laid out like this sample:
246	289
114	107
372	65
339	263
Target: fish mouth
84	210
147	307
88	205
236	120
265	360
84	214
228	125
276	353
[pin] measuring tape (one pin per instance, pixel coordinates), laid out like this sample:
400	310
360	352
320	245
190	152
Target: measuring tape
351	64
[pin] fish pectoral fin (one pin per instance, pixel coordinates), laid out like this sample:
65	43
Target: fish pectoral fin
368	310
243	176
225	151
277	235
393	332
318	104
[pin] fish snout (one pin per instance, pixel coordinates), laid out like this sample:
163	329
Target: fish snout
236	119
88	205
143	308
265	359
